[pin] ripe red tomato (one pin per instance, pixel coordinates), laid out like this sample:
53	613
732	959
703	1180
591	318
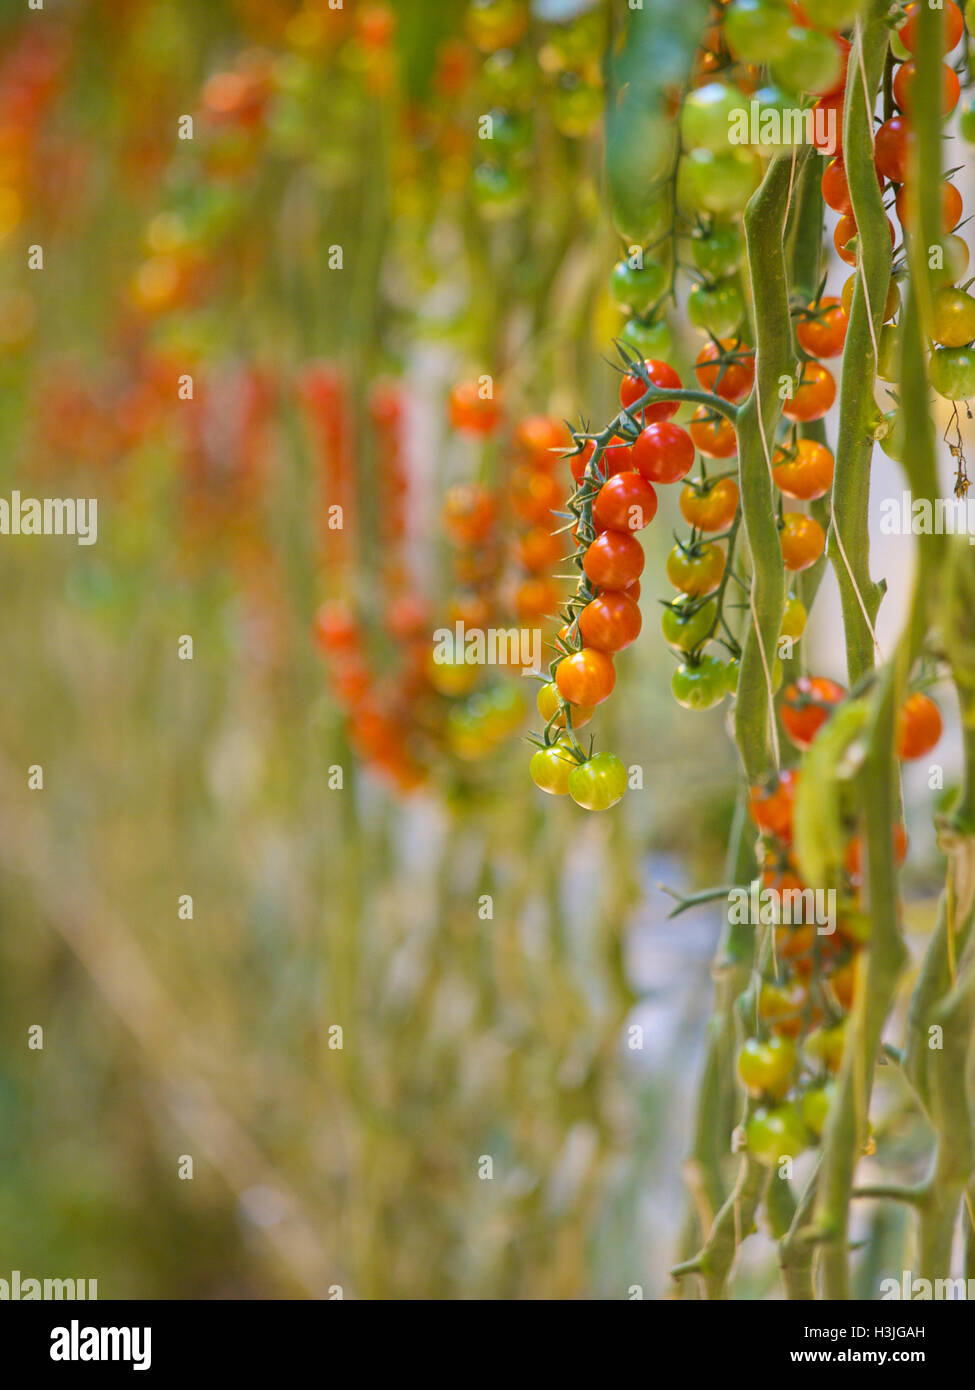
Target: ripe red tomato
613	560
918	727
846	231
732	379
770	805
713	434
904	81
611	622
813	396
535	495
697	569
615	458
823	334
803	541
540	549
663	453
806	705
586	677
836	190
711	507
891	149
625	502
660	374
953	30
541	438
537	597
805	471
824	120
951	206
471	411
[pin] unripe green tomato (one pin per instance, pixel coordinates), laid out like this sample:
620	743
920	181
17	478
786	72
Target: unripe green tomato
719	183
685	627
718	251
954	263
966	120
826	1045
893	442
953	373
889	353
639	287
718	309
793	619
834	14
498	192
810	63
772	98
652	341
954	318
705	118
640	147
550	770
598	783
699	685
814	1106
767	1067
775	1134
757	31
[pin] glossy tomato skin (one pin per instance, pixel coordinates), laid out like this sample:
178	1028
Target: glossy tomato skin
617	457
904	81
952	206
696	571
472	411
662	375
700	684
732	379
891	150
711	508
598	783
806	705
813	396
547	703
805	473
625	502
954	318
953	373
803	541
919	727
610	622
770	806
772	1135
954	26
613	560
825	334
663	453
550	769
767	1068
586	677
687	622
713	435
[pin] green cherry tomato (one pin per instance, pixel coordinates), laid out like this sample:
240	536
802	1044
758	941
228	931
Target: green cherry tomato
706	116
699	685
953	373
720	183
598	783
767	1067
652	341
775	1134
966	120
954	318
551	770
685	626
810	63
954	263
718	309
836	14
814	1106
757	30
793	619
639	287
892	441
718	250
889	353
825	1045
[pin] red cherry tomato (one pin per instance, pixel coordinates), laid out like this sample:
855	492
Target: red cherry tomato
904	81
613	560
806	705
660	374
732	379
770	805
805	472
611	622
663	453
891	149
625	502
953	30
615	458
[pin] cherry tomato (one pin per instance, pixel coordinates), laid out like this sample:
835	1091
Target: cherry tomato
537	597
699	684
549	707
953	373
813	62
535	495
814	1106
793	619
662	376
586	677
951	206
706	114
615	458
836	190
697	570
719	183
717	309
772	1135
732	379
471	411
541	439
663	453
613	560
639	288
717	250
904	81
648	339
827	122
954	26
711	507
803	471
767	1068
687	622
891	150
757	31
336	628
550	770
954	318
713	434
806	705
824	334
539	549
770	805
599	783
625	502
891	304
826	1045
782	1006
469	513
803	541
610	622
813	396
918	727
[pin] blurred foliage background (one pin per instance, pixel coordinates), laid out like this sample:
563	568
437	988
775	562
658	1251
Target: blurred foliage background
315	1166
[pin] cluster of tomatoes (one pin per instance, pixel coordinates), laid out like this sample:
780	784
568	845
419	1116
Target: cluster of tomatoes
805	995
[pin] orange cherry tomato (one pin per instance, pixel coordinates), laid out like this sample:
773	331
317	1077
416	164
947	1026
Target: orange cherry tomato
711	507
806	705
613	560
469	513
951	206
918	727
541	438
804	471
803	541
904	81
471	411
713	434
770	805
813	396
535	495
586	677
539	549
732	379
824	334
610	622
